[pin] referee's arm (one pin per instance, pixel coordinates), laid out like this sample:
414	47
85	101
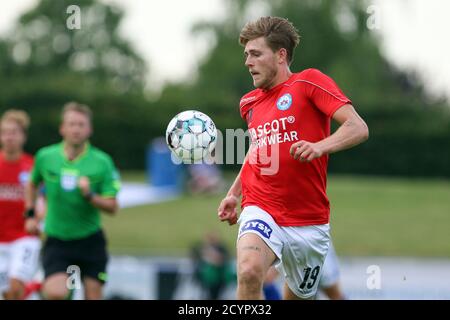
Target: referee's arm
105	203
108	205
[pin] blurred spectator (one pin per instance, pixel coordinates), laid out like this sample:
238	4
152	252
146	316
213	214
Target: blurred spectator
270	287
205	179
212	268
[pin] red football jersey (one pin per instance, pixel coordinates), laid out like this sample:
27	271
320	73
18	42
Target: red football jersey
292	192
13	176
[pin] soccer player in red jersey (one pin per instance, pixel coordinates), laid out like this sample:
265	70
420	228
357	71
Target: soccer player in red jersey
19	251
285	216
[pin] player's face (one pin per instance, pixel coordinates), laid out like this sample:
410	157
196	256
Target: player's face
12	137
261	62
75	128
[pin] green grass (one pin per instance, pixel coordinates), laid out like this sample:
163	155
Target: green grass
393	217
134	176
370	216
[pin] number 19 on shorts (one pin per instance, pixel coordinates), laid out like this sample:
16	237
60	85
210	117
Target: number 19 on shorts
310	274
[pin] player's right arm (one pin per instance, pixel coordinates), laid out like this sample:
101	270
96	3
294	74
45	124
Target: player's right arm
31	192
32	221
227	210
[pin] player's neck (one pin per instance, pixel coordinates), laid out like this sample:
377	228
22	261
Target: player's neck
11	155
73	151
282	76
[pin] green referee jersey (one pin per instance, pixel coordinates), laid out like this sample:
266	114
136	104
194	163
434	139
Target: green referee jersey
69	215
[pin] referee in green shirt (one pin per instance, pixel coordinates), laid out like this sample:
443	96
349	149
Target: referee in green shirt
80	181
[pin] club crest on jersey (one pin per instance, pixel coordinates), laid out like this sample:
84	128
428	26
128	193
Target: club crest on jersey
284	102
23	177
258	226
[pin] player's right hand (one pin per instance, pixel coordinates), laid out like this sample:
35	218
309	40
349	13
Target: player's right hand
32	226
227	210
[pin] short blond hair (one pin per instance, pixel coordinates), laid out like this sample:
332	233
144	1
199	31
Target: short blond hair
78	107
18	116
278	33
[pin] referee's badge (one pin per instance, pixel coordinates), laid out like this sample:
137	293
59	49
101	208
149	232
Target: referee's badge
69	179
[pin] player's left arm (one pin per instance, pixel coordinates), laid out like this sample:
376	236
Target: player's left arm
351	132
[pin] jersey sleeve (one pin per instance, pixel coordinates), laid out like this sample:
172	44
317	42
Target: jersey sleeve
324	92
111	181
36	172
246	103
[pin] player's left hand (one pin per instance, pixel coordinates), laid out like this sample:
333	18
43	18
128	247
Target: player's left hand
32	226
305	151
84	185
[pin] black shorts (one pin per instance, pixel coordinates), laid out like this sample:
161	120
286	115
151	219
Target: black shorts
89	254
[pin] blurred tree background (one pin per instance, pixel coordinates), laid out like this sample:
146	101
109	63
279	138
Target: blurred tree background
43	65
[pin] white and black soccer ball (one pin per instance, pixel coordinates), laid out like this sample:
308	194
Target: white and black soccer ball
191	135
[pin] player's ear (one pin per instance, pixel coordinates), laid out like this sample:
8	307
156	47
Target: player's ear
282	55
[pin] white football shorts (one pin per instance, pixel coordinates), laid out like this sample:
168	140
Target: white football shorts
300	251
19	259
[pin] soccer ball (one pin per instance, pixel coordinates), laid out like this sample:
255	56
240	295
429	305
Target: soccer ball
191	135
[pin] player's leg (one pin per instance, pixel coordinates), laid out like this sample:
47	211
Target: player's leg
55	287
15	291
254	259
259	246
93	289
56	259
5	258
94	259
24	261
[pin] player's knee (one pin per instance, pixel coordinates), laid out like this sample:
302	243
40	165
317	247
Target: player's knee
16	290
55	293
250	274
93	294
14	294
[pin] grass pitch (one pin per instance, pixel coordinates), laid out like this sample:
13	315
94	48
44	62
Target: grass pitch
370	216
